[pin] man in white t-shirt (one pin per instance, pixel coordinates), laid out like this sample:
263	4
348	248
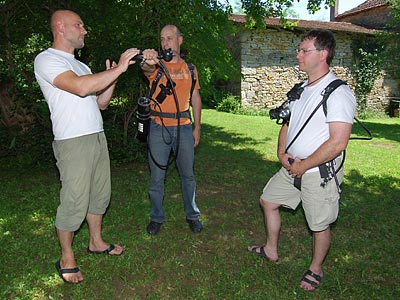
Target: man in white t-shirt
75	97
311	172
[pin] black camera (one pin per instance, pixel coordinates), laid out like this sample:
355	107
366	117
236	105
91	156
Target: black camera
295	93
282	113
166	55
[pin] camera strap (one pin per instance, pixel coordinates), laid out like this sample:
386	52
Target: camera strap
325	95
159	75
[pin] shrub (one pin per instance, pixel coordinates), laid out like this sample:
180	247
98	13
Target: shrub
230	104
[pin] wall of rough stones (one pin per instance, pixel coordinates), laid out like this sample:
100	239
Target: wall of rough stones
269	68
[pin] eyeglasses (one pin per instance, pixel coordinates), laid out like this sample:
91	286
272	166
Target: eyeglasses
302	51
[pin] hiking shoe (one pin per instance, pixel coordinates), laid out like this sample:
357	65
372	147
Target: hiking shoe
195	225
153	228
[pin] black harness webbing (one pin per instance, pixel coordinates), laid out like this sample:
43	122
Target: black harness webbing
323	168
155	83
178	115
326	93
191	69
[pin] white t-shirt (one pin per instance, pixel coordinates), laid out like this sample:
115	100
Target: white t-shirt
341	106
71	115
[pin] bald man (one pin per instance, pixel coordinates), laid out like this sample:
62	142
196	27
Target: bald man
75	97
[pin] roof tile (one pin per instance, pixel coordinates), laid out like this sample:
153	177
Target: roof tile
305	24
367	5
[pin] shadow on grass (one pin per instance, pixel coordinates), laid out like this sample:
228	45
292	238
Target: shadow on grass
379	130
176	264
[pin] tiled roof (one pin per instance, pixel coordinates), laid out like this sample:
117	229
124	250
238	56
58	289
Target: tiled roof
304	24
367	5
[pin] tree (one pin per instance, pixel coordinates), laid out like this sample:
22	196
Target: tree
113	26
256	10
391	38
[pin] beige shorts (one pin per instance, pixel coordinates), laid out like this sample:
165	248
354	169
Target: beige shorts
320	204
84	167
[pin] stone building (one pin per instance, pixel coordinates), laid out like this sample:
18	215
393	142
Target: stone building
269	65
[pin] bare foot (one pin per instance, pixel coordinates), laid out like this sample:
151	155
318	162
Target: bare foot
111	249
311	281
69	274
118	250
263	252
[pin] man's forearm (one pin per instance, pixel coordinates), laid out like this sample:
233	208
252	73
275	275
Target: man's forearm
282	140
196	105
104	97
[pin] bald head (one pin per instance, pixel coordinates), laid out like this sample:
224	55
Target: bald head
60	17
172	28
68	30
171	38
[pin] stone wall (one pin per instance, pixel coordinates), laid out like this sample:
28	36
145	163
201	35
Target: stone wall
269	68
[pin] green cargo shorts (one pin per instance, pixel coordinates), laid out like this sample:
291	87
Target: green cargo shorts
84	166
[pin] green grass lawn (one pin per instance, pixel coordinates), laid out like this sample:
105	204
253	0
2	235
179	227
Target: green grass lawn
236	157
